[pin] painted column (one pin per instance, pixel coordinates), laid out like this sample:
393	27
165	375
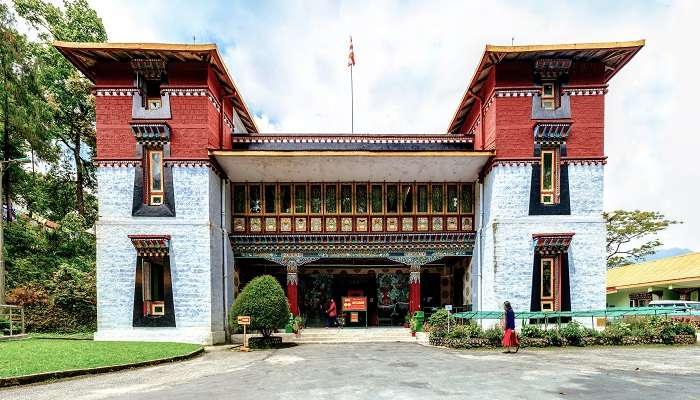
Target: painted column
293	288
414	298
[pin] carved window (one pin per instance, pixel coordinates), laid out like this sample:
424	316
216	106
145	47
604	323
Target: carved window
270	199
254	199
437	198
238	199
155	177
467	199
377	199
422	194
346	199
549	176
153	289
548	279
285	199
452	199
550	98
331	199
406	199
300	199
316	199
392	199
361	198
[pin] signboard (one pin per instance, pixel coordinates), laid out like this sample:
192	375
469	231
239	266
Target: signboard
354	317
243	320
354	304
448	307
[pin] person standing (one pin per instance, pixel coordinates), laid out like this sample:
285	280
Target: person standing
510	337
332	314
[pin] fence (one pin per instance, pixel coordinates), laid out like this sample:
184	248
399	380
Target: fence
11	321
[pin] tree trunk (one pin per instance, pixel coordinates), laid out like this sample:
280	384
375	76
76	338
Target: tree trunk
79	179
6	140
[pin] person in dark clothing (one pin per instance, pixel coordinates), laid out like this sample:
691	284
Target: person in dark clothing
510	337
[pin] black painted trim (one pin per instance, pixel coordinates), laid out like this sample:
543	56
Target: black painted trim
564	205
167	320
565	300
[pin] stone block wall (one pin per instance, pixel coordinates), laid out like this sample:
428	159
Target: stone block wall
507	245
195	256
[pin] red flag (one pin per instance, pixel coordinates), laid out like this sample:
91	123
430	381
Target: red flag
351	56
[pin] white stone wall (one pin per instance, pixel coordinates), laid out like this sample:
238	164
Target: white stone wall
508	251
195	256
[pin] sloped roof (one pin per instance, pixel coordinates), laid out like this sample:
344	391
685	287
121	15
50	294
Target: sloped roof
660	272
85	56
613	54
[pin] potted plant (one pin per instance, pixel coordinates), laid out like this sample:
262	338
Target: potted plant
298	325
413	325
407	321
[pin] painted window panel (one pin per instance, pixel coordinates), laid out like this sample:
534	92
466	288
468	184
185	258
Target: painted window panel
547	170
300	198
254	199
406	198
285	199
437	198
361	198
270	199
452	199
547	278
467	199
346	199
392	199
331	199
377	199
422	194
156	170
315	199
239	199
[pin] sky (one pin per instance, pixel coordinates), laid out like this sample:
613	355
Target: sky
415	58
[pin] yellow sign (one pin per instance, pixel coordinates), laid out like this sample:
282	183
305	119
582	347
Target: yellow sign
243	320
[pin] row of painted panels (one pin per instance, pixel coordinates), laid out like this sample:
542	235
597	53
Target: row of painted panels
353	224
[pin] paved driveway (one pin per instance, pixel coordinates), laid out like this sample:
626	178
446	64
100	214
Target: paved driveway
397	371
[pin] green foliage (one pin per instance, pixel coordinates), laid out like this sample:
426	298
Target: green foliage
264	301
554	337
532	331
573	332
438	320
493	335
626	229
465	331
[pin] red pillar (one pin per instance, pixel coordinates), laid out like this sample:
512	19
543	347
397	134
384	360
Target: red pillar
293	289
414	289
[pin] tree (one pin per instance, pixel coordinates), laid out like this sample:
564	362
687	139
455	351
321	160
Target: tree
69	95
24	117
627	229
264	301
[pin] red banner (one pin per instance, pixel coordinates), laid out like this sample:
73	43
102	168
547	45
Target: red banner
354	304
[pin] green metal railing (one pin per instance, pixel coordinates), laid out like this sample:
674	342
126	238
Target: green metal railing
11	320
606	313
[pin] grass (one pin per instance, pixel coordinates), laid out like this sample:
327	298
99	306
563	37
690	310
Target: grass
33	356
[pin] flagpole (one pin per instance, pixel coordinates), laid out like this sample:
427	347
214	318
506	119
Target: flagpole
352	105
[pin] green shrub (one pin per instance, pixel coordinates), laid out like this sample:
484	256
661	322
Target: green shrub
615	331
494	335
532	331
465	331
573	332
591	332
264	301
439	319
554	337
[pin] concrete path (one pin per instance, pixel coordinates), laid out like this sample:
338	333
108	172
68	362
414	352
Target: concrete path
397	371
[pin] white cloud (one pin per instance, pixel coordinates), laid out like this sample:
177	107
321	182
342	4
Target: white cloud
414	60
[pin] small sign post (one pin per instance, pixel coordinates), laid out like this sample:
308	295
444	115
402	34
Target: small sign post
245	321
448	308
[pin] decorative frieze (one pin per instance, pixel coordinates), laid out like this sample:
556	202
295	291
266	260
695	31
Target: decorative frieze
517	92
151	245
116	163
103	92
194	92
552	243
382	139
585	91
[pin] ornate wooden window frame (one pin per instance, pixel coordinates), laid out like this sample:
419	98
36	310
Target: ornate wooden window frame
155	193
550	195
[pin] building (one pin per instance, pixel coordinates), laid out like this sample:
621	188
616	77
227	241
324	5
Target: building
671	278
194	201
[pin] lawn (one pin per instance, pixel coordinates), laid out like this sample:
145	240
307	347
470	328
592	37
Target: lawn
32	356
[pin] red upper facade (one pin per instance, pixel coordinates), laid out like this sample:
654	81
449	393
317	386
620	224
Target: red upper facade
500	111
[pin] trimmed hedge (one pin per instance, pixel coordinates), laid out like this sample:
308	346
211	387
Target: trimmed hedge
262	299
653	330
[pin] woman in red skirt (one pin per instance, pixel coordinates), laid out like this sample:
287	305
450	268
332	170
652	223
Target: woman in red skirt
510	337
